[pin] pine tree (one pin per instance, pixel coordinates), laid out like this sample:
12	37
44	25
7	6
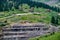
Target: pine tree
53	20
56	22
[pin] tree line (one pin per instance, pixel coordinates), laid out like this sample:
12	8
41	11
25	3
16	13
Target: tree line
6	5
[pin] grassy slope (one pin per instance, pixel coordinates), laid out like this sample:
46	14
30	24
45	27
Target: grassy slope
55	36
44	16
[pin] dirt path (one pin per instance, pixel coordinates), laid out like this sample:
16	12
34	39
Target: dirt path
19	15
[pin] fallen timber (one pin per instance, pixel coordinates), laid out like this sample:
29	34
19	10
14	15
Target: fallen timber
25	31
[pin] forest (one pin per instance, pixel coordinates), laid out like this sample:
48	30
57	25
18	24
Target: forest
8	4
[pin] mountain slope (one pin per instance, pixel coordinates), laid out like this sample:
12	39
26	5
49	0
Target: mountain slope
7	4
49	2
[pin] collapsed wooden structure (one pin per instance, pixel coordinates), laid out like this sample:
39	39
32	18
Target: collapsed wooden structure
24	31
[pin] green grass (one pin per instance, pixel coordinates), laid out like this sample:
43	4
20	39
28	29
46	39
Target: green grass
55	36
44	16
33	18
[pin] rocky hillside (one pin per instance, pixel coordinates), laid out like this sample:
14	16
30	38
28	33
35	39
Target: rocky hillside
49	2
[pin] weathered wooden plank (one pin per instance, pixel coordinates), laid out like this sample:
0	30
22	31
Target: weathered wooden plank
12	36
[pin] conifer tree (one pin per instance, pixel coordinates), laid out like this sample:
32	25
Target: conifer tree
53	20
56	22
